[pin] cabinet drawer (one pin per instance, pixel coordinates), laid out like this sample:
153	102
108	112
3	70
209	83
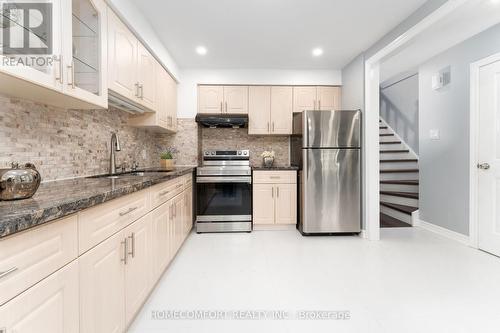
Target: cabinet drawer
161	193
188	181
275	177
35	254
98	223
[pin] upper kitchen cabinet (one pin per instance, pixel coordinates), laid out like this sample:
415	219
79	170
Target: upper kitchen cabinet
85	50
165	117
270	110
329	98
210	99
122	59
70	66
316	98
223	99
132	68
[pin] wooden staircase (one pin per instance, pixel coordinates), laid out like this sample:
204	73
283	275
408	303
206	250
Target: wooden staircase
398	180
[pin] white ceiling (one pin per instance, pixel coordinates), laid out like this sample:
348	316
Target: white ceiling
466	21
277	34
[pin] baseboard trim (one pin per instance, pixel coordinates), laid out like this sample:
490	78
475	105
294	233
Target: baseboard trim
443	232
273	227
363	234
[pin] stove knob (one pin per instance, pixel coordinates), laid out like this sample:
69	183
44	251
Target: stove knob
207	153
213	153
239	153
245	153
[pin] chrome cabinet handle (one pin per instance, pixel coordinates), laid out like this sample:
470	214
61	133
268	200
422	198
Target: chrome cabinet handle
132	238
163	193
59	76
272	192
72	72
274	177
483	166
226	107
319	105
130	210
180	185
7	272
268	128
273	126
136	89
277	192
125	251
141	87
221	107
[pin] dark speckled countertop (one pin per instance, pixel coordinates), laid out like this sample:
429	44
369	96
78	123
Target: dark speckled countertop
275	168
60	198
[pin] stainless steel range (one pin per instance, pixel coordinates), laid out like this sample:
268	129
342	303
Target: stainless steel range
224	192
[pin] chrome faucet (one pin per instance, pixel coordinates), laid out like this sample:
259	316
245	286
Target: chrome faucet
115	146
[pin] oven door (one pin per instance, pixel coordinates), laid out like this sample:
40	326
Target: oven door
224	199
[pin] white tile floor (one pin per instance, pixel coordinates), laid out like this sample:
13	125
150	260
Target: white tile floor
410	281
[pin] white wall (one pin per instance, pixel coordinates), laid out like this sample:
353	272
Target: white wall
444	164
399	107
133	17
187	94
353	84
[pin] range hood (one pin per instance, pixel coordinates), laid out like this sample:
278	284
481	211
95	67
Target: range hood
222	120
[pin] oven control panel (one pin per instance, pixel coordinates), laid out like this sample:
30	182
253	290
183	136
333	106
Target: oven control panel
226	154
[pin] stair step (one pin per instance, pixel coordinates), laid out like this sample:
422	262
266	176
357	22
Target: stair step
405	160
401	194
390	143
386	134
387	221
400	208
383	127
394	151
400	182
398	170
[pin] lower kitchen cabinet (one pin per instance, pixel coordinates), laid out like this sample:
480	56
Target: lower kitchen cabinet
102	286
161	222
139	265
274	197
49	306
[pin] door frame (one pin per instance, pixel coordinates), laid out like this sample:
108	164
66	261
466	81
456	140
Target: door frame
371	164
473	146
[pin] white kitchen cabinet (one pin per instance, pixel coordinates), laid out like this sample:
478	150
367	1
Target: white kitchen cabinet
274	197
85	50
139	265
74	74
270	110
329	98
236	99
188	211
210	99
304	98
178	221
223	99
316	98
102	286
147	69
160	241
281	110
165	117
122	59
49	306
259	110
263	204
286	204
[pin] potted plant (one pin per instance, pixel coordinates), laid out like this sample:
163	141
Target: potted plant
167	158
268	158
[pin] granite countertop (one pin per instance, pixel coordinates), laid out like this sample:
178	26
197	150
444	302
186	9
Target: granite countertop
276	168
57	199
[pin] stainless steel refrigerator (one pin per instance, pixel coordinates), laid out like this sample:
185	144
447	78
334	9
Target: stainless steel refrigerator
326	145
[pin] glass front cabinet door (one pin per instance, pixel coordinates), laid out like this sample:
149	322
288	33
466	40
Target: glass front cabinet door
85	50
30	42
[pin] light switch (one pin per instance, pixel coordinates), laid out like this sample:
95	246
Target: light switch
434	134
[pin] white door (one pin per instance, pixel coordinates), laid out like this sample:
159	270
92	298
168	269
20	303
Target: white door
263	203
304	98
210	99
236	99
281	110
147	67
489	159
329	98
286	204
259	110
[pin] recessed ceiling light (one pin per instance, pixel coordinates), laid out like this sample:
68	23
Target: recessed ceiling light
317	52
201	50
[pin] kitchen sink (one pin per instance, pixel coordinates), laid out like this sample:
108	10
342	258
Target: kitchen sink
140	173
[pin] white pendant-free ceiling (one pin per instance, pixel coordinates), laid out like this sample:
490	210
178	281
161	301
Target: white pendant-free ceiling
278	34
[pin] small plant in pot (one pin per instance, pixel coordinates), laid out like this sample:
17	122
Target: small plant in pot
268	158
167	158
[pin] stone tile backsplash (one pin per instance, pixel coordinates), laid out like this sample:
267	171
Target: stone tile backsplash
75	143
